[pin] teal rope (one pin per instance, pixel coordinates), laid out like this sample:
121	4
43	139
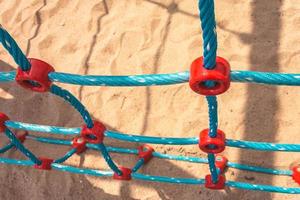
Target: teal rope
268	78
6	147
208	25
66	156
68	97
14	50
21	147
260	146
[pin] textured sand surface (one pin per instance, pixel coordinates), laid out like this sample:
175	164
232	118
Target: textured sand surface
151	36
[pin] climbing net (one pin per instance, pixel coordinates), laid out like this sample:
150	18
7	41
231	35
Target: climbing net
209	75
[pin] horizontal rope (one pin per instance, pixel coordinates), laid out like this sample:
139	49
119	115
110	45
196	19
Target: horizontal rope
163	79
147	177
166	156
261	146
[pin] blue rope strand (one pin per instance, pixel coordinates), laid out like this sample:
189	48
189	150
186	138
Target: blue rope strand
66	156
108	159
213	115
260	146
147	177
267	78
208	24
74	102
138	165
14	50
6	147
21	147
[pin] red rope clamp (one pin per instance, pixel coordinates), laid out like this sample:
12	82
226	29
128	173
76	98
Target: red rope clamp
36	78
220	75
146	152
296	174
22	136
94	135
3	119
79	143
221	162
125	176
212	145
215	186
45	165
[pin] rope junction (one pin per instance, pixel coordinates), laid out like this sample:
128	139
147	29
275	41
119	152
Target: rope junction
210	75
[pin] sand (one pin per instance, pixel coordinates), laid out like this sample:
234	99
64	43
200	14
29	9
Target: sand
150	36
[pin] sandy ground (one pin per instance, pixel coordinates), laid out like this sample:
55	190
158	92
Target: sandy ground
151	36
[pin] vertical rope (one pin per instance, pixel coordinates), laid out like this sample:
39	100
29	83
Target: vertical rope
208	25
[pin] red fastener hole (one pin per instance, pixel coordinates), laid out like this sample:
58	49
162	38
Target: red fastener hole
296	174
3	119
221	162
36	78
146	152
212	145
126	174
45	165
95	134
79	143
220	75
219	185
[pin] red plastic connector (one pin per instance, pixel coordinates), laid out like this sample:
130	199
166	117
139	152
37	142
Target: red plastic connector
79	143
296	174
212	145
36	78
3	119
220	75
126	174
22	136
221	162
146	152
45	165
215	186
95	134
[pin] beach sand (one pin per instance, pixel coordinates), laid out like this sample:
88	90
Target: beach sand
112	37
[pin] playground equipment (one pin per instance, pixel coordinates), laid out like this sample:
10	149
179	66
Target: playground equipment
209	75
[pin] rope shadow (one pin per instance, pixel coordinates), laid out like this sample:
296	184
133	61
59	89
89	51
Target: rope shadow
39	23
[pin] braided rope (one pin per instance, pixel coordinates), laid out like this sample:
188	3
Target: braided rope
208	25
261	146
13	49
21	147
268	78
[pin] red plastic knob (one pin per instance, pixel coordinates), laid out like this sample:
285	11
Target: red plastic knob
36	78
220	75
95	134
126	174
296	174
45	165
219	185
79	143
3	119
221	162
146	152
212	145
